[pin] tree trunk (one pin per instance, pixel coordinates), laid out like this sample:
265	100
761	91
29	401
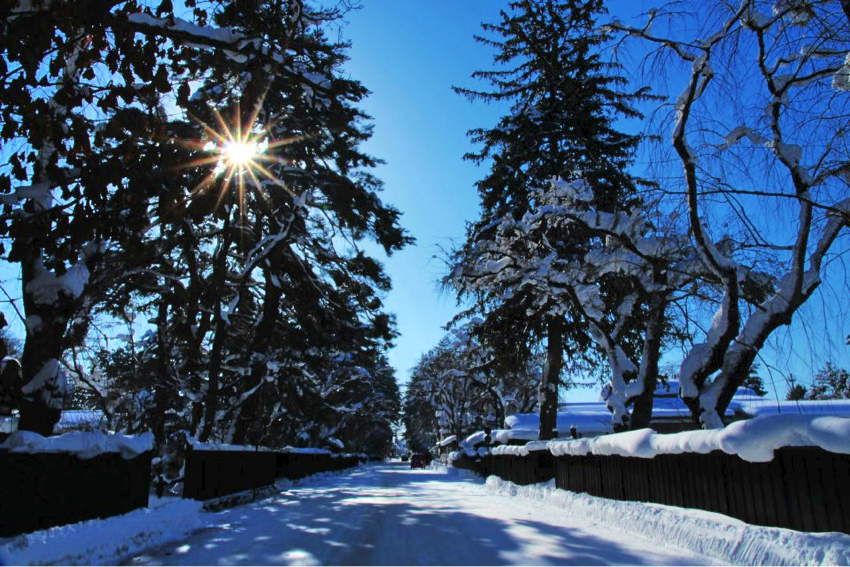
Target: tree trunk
642	411
214	370
260	347
160	396
548	390
40	405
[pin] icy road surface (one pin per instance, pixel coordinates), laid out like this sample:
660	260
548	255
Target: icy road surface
389	514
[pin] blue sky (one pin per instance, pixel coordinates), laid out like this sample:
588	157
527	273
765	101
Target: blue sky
409	54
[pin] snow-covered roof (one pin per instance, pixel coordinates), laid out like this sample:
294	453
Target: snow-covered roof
197	446
74	419
8	423
305	451
756	406
753	440
447	441
83	444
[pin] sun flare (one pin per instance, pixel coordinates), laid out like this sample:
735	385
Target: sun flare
242	154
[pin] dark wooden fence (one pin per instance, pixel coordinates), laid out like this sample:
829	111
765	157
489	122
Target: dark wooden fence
802	488
42	490
211	474
538	466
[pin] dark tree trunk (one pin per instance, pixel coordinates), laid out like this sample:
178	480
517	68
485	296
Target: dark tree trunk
642	411
243	431
549	383
44	345
160	397
214	370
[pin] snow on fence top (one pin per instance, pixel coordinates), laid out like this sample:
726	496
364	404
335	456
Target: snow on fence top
447	441
82	444
520	451
753	440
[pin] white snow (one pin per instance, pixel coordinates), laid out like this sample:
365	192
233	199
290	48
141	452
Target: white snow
104	542
753	440
305	451
197	446
706	534
392	515
447	441
83	444
45	287
77	419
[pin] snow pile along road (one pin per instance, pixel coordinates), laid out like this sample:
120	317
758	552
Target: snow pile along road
704	533
106	541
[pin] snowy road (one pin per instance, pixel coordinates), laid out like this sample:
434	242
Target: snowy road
391	515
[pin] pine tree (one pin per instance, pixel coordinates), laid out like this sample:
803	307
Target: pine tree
754	382
125	208
564	100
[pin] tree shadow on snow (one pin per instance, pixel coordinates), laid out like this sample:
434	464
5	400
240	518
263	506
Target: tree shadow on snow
356	519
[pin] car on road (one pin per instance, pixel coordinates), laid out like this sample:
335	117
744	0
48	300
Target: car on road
419	460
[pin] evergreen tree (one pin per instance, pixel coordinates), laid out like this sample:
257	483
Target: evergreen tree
237	265
754	382
796	392
830	383
564	100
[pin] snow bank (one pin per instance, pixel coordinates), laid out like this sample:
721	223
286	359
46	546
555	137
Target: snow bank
106	541
83	444
753	440
723	539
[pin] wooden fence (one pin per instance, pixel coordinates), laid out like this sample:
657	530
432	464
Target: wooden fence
803	488
538	466
211	474
42	490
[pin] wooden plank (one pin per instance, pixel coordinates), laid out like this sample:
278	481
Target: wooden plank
834	522
810	457
734	488
841	470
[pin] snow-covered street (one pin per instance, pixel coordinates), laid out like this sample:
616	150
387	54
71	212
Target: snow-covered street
389	514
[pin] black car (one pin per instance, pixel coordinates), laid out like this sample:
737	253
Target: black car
419	460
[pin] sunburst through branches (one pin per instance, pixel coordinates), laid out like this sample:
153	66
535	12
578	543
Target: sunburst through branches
241	152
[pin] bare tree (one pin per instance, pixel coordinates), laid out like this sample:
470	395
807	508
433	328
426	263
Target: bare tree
760	130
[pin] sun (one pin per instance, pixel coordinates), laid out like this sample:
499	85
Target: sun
241	152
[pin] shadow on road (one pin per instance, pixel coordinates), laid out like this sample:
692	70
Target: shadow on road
385	515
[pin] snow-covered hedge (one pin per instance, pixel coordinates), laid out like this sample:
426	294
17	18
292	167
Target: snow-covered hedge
753	440
83	444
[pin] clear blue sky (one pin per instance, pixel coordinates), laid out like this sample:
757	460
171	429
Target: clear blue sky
409	54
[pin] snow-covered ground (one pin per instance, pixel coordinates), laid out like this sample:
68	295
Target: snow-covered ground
391	515
388	514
